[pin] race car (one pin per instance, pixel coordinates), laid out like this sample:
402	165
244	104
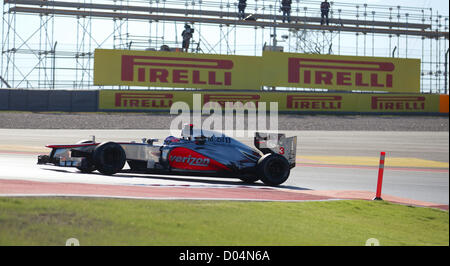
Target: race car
197	152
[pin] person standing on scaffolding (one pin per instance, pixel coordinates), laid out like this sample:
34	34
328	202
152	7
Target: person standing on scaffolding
187	35
286	8
241	7
324	10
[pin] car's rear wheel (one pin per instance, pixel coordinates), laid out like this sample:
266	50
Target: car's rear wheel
109	158
273	169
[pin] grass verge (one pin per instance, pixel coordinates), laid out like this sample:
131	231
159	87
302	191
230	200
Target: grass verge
51	221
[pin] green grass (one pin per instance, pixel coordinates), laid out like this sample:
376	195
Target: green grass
51	221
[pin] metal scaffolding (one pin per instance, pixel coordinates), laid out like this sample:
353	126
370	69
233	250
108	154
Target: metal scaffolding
50	44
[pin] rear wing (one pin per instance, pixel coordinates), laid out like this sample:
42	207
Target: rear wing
277	143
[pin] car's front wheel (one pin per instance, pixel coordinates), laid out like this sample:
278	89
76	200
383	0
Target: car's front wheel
86	166
273	169
109	158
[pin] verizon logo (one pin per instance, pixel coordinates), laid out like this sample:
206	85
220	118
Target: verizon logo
194	161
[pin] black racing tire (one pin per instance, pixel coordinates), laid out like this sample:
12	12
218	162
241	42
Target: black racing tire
109	158
273	169
86	166
249	179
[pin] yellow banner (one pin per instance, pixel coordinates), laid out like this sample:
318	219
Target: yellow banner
176	70
273	69
345	73
287	102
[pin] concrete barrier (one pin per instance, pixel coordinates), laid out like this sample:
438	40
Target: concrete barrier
4	99
60	101
161	101
18	100
48	100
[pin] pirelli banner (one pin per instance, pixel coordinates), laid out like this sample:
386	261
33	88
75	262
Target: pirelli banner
176	70
346	73
116	100
274	69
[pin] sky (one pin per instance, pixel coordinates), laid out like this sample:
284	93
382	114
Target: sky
65	30
240	41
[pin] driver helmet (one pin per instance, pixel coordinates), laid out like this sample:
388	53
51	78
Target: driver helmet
171	139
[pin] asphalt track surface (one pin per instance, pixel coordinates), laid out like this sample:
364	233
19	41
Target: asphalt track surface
330	165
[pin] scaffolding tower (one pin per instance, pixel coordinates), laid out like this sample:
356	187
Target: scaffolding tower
50	44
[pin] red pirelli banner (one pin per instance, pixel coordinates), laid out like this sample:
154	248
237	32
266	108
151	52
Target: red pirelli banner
273	69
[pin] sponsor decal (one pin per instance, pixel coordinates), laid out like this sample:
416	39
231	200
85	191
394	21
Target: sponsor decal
143	100
194	161
215	139
176	70
208	71
288	101
230	99
183	158
356	74
398	103
314	102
